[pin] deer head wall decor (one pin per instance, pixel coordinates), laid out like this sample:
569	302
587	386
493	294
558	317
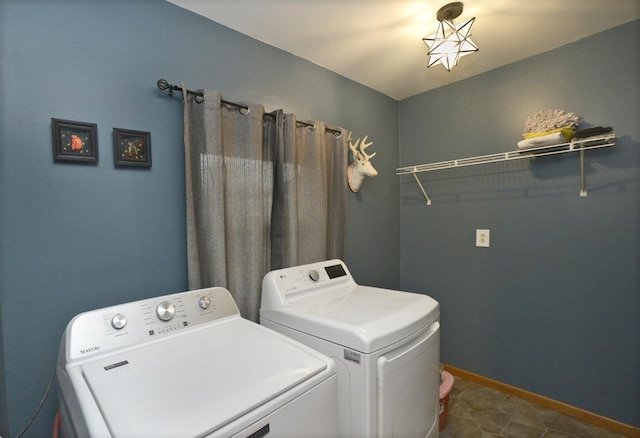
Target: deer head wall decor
360	166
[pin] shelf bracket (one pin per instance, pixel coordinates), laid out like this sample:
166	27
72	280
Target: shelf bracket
583	184
422	188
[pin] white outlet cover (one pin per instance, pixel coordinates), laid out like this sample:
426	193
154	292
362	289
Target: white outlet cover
483	238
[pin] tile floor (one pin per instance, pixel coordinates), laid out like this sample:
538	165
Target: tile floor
476	411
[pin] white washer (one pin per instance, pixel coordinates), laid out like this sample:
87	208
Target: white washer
386	345
187	365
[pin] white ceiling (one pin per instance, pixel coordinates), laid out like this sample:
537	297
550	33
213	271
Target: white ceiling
378	43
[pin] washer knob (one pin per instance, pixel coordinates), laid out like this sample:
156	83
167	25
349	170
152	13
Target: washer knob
165	311
204	302
314	276
118	321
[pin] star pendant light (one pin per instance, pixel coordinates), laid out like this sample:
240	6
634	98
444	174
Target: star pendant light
451	41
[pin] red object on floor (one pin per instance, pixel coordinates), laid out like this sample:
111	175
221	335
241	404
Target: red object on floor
446	384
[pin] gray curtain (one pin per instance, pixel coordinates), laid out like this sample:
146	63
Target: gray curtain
262	193
310	193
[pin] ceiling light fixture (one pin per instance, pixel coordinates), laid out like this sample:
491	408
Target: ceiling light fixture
451	41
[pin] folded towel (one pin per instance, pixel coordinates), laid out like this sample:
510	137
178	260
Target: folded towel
567	132
591	132
543	140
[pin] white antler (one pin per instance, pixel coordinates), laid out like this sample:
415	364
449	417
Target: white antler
360	154
363	146
354	149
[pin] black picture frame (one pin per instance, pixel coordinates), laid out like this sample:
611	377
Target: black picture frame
131	148
74	141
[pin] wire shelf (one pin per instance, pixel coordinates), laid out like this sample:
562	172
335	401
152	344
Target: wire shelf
581	145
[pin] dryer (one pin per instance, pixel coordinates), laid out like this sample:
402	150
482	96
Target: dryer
386	345
187	365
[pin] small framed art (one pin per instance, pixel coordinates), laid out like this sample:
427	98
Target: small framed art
131	148
74	141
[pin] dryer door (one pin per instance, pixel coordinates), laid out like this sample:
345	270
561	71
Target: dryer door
408	384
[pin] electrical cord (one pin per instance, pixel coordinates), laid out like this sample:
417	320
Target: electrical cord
42	402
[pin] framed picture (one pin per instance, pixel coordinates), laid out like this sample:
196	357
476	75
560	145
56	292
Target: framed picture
131	148
74	141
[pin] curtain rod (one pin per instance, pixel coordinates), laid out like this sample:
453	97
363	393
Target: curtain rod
199	98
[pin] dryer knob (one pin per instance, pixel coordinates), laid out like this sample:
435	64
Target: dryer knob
118	321
204	302
314	276
165	311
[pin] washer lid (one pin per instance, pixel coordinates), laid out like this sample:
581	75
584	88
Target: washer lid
193	385
361	318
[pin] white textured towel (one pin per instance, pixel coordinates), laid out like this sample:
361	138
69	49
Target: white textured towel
543	140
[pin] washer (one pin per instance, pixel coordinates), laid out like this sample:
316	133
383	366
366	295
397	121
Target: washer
386	345
187	365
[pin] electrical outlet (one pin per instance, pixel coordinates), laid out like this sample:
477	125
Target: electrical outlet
483	238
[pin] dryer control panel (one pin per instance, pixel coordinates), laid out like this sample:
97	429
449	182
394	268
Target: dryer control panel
283	286
116	327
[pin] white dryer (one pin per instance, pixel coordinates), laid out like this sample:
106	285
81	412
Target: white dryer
187	365
386	345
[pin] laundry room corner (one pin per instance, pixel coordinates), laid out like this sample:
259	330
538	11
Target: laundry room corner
521	309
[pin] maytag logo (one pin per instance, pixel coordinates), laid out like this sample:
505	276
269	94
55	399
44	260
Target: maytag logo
90	349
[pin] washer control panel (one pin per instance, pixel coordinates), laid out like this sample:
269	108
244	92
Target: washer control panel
111	328
284	286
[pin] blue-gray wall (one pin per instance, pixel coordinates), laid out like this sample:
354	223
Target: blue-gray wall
75	237
553	305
